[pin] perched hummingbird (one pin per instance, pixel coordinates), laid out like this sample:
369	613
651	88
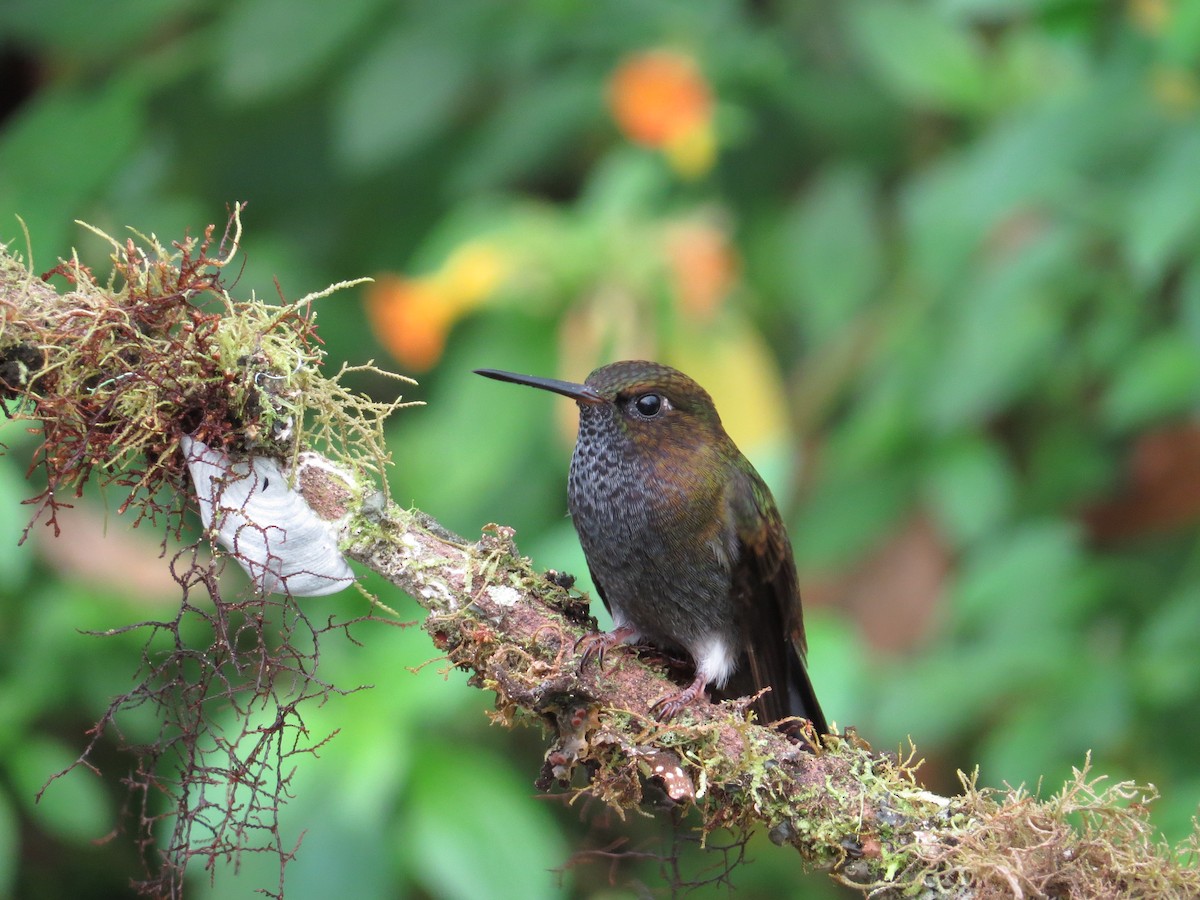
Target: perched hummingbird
683	539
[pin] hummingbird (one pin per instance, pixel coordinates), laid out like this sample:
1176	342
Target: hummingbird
683	540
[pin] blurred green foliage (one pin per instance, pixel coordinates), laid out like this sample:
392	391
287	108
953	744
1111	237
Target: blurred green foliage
940	277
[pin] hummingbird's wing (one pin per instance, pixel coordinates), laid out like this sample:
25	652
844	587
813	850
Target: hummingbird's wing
599	589
767	595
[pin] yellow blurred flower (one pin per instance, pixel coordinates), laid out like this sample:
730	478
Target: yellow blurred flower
736	366
472	272
411	317
692	153
1150	15
1175	89
660	99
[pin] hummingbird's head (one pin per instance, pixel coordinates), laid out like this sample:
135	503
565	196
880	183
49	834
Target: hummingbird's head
652	405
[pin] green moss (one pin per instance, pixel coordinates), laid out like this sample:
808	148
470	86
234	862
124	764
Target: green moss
120	369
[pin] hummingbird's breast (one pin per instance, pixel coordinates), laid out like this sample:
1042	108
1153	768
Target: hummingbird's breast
658	538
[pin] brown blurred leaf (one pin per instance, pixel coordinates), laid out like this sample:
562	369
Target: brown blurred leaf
105	552
893	593
1161	491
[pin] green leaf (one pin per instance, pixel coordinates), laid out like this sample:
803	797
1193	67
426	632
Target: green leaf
626	180
995	9
15	561
832	256
87	29
879	428
1189	302
471	829
1166	665
59	152
951	688
1175	813
1161	378
461	451
1067	465
1030	578
1003	334
971	488
43	658
838	663
10	845
1165	209
75	807
846	516
920	55
531	128
274	47
1085	707
995	185
1180	39
402	93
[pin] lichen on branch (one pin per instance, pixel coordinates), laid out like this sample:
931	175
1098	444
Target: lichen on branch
118	368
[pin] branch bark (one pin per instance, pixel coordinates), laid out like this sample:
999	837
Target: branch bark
861	816
858	815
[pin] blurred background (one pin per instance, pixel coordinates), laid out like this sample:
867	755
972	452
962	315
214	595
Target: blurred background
935	261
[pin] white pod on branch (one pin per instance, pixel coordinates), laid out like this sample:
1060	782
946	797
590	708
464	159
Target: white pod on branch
254	509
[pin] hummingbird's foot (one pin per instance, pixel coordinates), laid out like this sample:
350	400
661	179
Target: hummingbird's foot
666	708
600	642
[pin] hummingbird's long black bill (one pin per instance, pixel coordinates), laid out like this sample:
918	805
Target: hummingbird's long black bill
578	392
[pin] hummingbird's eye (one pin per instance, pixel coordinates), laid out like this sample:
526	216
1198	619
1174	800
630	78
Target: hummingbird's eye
648	405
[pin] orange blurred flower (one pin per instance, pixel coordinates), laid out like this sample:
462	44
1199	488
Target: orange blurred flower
703	266
660	99
411	317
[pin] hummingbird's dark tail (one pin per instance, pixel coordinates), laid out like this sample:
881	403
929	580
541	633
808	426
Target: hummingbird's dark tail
791	692
802	699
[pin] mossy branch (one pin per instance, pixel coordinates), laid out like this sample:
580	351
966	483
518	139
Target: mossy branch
73	360
860	815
